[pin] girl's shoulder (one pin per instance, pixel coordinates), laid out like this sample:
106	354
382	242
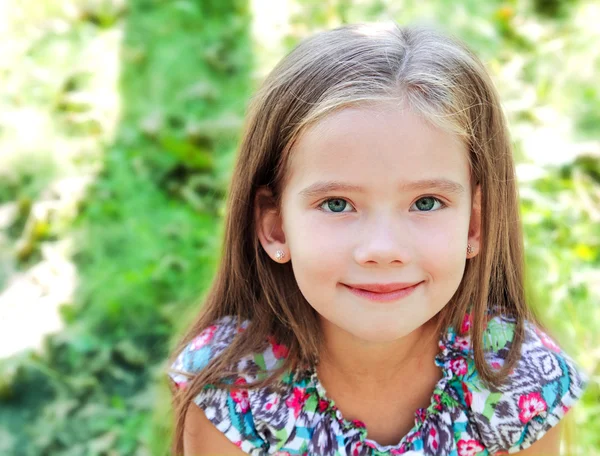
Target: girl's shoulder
543	385
232	410
212	341
205	346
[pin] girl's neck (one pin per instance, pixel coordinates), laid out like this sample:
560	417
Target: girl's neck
351	364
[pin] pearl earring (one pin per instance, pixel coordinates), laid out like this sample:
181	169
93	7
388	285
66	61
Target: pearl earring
469	249
279	254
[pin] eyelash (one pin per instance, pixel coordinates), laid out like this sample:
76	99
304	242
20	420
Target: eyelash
442	203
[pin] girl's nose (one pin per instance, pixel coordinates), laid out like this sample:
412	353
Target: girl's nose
385	241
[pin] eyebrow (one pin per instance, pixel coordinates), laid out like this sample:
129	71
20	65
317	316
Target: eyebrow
443	185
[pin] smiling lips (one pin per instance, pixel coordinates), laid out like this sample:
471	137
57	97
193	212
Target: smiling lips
383	292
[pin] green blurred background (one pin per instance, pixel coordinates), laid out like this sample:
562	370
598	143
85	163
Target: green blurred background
119	121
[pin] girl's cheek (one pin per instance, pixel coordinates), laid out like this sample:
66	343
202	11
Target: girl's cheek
320	229
325	243
439	234
320	246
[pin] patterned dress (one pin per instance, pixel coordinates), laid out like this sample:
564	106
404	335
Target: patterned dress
464	418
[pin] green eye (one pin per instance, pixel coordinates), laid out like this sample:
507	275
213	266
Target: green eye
335	205
427	204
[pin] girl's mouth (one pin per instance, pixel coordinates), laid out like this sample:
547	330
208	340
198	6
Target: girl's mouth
383	296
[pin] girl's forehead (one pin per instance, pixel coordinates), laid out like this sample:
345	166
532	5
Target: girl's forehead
377	145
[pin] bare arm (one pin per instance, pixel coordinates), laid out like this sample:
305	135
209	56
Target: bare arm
202	438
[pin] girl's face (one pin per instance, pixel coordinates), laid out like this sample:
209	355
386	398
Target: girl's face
377	196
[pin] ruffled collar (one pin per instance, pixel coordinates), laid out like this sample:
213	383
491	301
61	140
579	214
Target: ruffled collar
451	348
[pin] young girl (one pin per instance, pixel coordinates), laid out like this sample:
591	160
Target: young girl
370	296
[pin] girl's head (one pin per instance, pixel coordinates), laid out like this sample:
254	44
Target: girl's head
410	118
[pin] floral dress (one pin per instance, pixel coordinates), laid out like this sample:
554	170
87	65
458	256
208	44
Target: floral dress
464	418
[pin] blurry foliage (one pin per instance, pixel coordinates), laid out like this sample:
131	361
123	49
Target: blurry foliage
138	105
145	233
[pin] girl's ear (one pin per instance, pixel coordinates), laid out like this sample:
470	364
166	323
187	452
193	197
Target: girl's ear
475	223
269	226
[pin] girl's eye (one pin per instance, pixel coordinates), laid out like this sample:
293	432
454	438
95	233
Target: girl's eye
425	204
428	204
334	205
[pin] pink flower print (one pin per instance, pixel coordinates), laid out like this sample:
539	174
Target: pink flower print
547	341
469	447
468	395
204	338
438	402
280	351
296	401
359	424
432	439
497	365
464	343
396	452
459	366
355	448
323	405
531	405
269	405
181	385
240	396
282	453
466	324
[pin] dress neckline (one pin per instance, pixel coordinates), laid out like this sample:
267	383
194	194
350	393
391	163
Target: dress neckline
420	415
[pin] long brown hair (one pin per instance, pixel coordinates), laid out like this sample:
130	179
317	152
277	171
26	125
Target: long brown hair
442	80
